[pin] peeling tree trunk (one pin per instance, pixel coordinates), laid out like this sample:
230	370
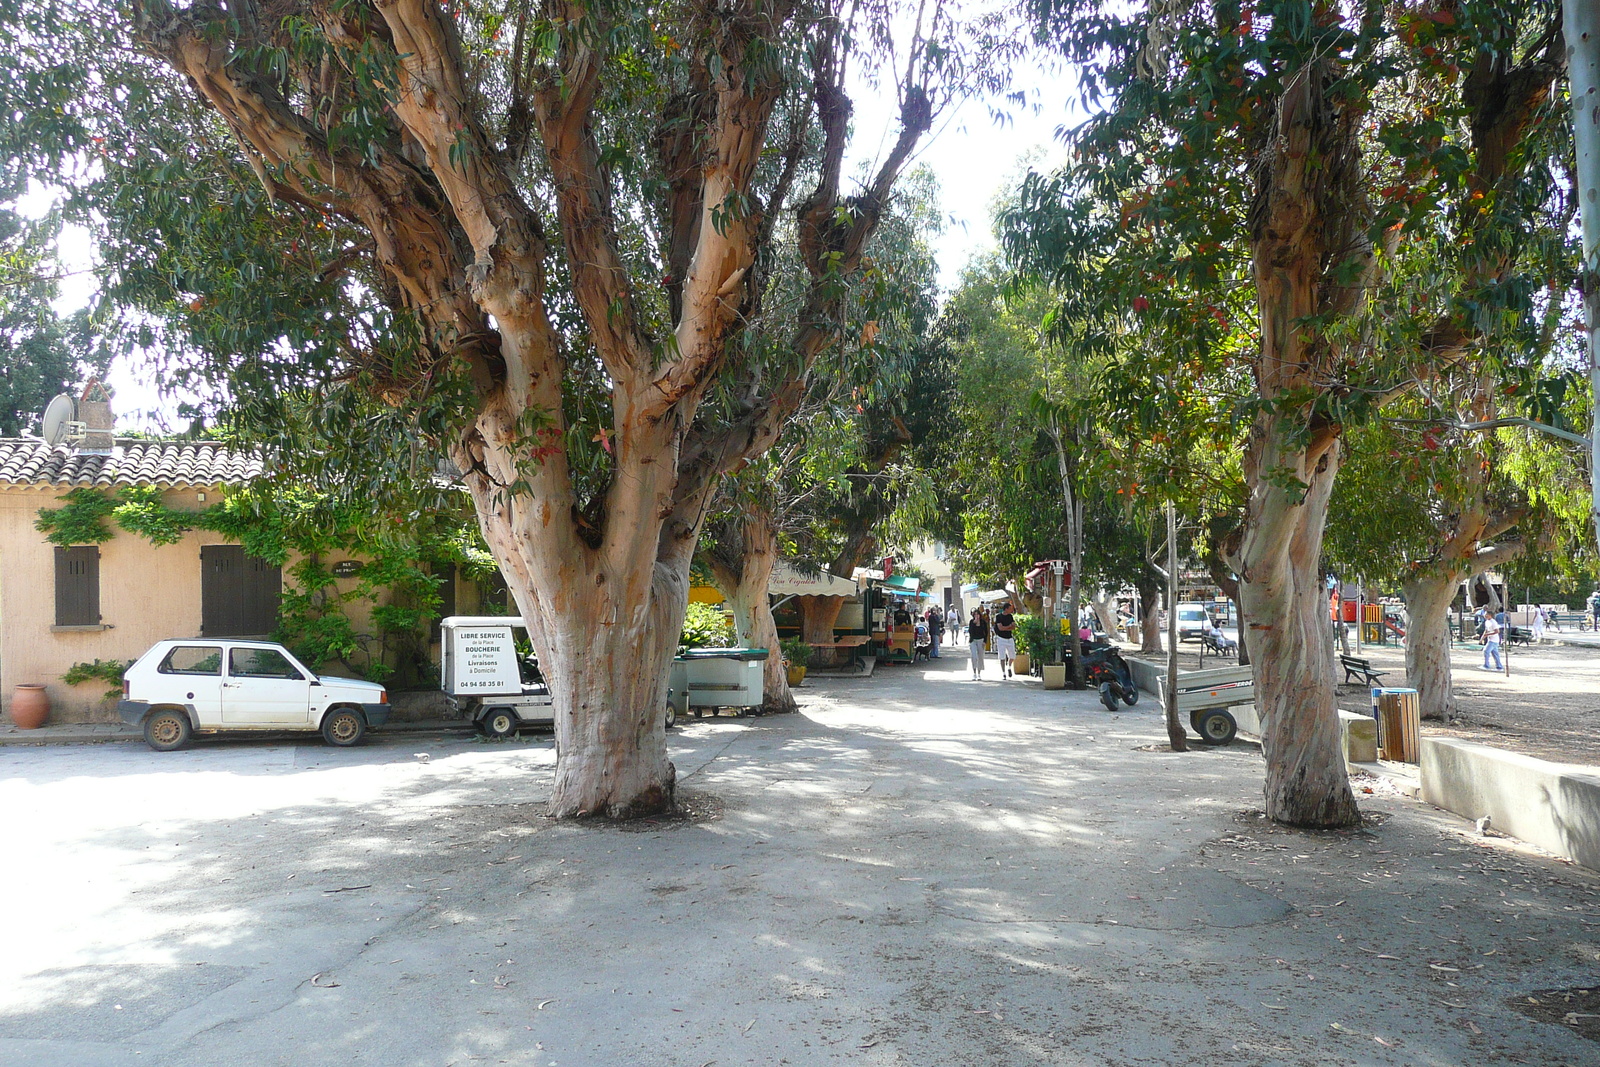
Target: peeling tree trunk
1149	620
1105	609
1284	611
1308	218
743	574
818	615
1428	643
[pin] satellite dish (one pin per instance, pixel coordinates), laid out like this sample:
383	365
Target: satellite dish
60	411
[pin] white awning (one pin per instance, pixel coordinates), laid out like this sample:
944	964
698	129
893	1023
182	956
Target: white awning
786	581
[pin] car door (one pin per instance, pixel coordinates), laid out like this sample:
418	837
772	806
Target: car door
192	675
263	688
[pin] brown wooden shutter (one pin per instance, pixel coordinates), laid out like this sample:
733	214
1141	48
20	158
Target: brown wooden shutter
239	594
78	586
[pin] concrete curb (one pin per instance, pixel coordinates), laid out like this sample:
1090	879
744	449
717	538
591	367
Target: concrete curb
93	733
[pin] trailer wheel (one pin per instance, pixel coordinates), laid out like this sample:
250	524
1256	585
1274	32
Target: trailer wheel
672	715
1216	726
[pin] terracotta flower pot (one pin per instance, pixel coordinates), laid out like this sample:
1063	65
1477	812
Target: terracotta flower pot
30	706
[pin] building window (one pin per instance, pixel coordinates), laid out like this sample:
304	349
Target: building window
78	586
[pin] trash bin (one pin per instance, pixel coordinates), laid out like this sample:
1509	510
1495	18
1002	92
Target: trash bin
1399	715
718	678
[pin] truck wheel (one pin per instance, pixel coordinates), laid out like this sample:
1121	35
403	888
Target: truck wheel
167	731
1216	726
672	715
343	728
500	723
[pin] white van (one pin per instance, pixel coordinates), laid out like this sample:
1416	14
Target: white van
1191	621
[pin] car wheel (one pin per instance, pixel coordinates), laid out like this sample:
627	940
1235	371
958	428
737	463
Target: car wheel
1130	695
343	727
1216	727
1107	696
167	731
672	715
500	723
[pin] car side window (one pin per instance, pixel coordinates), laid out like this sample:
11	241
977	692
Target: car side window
261	663
192	659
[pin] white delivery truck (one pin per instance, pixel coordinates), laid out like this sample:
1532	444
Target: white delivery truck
483	677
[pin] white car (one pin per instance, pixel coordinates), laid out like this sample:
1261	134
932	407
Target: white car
182	688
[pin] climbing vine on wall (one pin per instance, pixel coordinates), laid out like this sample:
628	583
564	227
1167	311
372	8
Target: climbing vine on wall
280	524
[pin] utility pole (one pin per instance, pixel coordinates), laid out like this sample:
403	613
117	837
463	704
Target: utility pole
1581	24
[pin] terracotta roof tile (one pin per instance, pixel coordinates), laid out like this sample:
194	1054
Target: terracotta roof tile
165	464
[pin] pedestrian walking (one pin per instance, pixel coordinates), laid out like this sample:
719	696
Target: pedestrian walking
1005	634
977	634
1538	624
1491	643
954	622
935	621
1594	610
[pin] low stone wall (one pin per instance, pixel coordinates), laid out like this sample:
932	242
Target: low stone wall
1553	805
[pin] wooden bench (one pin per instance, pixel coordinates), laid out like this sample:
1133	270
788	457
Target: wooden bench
1356	666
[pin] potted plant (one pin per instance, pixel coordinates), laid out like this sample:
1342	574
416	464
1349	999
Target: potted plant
796	654
1055	671
1027	648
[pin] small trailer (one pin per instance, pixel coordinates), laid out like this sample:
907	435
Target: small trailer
1206	696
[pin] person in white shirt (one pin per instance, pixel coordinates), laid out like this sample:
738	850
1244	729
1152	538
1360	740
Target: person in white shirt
1491	643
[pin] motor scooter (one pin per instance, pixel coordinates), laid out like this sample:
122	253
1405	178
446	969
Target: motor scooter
1105	669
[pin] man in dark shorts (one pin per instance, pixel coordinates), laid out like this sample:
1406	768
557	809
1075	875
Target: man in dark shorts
1005	638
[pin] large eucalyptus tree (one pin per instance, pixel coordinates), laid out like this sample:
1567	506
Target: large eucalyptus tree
542	231
1287	149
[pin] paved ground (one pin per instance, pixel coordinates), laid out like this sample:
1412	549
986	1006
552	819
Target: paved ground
918	870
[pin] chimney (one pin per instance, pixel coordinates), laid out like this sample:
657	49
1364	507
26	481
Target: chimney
94	411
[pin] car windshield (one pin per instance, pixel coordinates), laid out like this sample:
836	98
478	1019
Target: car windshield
1191	614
